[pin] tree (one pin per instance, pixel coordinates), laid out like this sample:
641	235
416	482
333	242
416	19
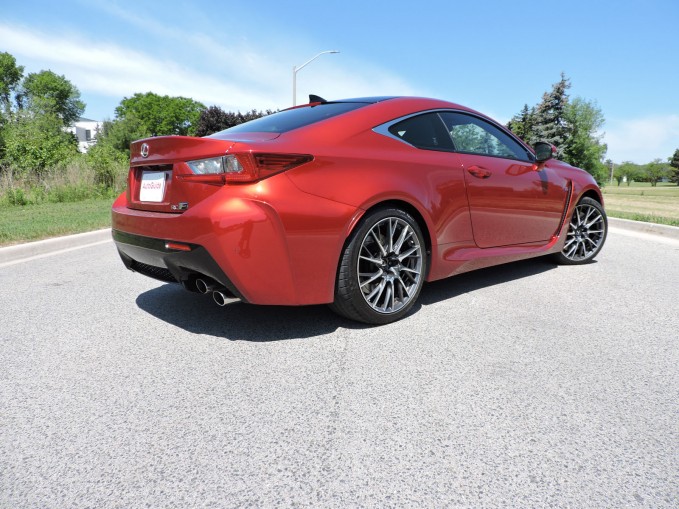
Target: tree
655	171
214	119
523	124
10	77
572	126
584	147
628	172
550	122
47	93
674	164
107	163
118	134
34	143
161	115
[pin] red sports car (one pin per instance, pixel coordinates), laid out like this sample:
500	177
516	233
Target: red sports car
355	203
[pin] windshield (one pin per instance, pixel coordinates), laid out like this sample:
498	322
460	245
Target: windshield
287	120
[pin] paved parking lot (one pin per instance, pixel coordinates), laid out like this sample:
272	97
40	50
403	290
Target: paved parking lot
527	385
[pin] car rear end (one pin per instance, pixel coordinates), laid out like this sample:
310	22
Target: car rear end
218	214
193	213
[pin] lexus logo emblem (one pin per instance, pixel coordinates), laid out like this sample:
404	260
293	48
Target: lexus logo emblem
144	150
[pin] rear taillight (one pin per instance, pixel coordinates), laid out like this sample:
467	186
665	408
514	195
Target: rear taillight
242	167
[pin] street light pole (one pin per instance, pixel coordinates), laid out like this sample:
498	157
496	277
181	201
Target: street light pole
297	68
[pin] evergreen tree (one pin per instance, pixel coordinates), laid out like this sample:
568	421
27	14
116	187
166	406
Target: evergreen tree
523	124
551	124
674	163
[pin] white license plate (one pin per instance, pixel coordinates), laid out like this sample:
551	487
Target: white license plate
152	186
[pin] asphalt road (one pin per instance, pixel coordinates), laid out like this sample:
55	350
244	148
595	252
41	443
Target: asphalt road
527	385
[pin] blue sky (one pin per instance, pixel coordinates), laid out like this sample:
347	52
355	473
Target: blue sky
494	56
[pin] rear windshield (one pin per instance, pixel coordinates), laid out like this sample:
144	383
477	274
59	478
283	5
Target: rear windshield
288	120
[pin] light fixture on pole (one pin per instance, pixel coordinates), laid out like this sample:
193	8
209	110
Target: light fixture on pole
297	68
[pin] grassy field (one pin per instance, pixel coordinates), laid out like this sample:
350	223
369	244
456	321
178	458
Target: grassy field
641	202
33	222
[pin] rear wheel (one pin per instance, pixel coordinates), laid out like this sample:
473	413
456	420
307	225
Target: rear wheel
382	268
586	233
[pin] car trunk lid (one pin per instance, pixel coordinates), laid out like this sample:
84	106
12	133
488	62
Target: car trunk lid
157	178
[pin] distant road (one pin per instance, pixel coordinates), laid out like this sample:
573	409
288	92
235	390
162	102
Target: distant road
527	385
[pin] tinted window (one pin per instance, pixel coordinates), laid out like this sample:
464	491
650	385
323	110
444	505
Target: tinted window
476	136
424	131
288	120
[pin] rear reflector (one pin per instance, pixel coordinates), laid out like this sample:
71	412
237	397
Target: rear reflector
280	162
175	246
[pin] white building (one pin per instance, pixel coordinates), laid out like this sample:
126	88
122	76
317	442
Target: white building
86	131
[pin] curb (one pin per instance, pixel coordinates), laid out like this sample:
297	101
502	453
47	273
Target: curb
671	232
43	247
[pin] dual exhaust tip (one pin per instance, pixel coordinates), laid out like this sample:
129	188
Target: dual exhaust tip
220	294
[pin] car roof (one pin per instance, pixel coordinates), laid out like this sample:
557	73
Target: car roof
423	103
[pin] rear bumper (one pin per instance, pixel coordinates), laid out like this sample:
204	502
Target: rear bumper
267	244
153	258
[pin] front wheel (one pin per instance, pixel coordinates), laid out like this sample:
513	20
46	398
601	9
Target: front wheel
382	269
586	233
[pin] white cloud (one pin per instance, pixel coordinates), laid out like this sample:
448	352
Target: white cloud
243	79
641	140
116	71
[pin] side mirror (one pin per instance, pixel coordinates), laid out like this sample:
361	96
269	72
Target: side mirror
544	151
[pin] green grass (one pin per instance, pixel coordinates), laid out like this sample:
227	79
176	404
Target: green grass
647	218
33	222
642	202
643	189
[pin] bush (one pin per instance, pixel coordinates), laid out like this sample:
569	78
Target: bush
32	144
109	165
70	181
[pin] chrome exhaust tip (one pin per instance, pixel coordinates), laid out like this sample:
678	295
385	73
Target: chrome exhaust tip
204	286
221	298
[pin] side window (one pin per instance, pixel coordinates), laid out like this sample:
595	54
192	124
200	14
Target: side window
423	131
476	136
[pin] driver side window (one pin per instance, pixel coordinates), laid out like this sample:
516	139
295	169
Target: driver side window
473	135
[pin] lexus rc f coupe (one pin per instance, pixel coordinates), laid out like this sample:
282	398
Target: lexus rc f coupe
354	203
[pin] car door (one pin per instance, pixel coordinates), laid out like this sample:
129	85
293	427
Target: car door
510	202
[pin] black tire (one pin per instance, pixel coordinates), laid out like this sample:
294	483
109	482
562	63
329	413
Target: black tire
382	268
587	230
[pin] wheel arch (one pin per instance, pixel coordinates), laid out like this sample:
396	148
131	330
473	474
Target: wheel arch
392	203
593	194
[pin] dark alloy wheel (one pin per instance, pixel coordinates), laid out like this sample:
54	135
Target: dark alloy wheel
586	233
382	269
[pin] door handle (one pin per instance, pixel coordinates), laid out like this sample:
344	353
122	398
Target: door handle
479	172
